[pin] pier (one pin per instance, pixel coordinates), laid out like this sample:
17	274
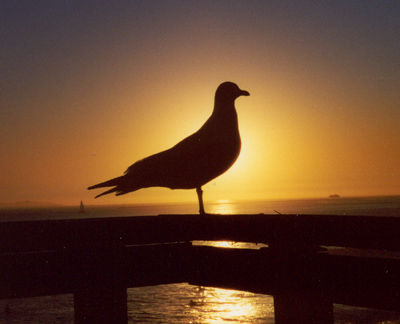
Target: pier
96	260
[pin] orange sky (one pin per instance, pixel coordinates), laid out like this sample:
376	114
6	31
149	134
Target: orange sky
88	89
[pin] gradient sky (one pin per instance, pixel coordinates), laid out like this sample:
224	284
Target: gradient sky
89	87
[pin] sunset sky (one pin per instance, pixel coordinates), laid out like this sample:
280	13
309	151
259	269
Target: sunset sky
90	87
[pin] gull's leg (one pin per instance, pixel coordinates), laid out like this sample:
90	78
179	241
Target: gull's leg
200	196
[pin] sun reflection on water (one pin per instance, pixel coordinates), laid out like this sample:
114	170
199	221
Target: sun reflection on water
223	207
214	305
183	303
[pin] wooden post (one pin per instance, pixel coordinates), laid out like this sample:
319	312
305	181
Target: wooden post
106	305
302	308
100	293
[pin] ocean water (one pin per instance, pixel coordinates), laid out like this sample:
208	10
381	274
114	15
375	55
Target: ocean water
183	303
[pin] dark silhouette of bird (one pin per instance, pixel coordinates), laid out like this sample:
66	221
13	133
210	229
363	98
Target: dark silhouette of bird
194	161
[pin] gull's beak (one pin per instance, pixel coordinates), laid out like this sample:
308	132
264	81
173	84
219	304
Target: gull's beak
244	93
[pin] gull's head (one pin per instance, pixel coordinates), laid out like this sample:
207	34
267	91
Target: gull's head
229	91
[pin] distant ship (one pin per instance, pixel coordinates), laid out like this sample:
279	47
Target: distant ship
334	196
82	208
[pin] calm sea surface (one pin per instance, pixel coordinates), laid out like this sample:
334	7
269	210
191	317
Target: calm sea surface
182	303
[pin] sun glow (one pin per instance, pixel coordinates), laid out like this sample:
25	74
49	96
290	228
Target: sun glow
322	115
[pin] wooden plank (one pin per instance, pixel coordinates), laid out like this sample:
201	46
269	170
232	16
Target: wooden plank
80	270
357	281
284	230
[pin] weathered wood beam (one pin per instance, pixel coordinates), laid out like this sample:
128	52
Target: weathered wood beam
292	230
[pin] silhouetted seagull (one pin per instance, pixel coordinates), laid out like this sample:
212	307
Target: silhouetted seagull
194	161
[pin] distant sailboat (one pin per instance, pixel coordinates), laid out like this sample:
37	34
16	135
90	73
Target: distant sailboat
81	208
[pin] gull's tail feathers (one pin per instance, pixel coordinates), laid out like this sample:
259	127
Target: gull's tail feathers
107	192
110	183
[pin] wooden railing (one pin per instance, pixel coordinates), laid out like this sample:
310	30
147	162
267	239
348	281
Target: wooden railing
98	259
